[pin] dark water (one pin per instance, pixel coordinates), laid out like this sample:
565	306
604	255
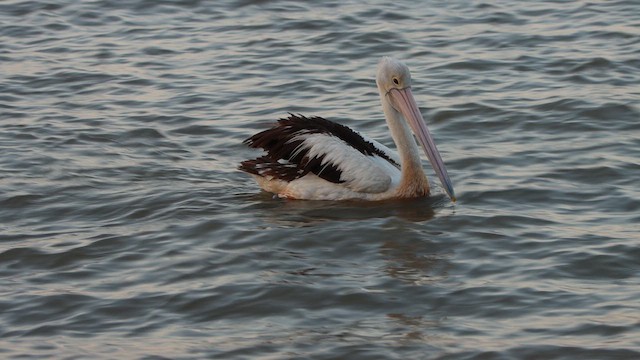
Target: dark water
126	231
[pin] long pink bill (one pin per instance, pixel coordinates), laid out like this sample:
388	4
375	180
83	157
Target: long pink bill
403	99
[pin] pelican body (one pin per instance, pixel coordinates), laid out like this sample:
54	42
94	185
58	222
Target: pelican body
316	159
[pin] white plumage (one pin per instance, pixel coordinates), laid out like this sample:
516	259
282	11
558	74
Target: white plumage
360	173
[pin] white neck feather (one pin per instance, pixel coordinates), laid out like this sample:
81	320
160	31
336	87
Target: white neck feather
413	181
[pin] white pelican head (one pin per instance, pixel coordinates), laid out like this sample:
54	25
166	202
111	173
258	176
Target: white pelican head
394	83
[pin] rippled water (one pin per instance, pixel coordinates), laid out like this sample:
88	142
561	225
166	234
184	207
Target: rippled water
127	232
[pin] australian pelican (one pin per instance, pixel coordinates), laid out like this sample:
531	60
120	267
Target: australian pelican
317	159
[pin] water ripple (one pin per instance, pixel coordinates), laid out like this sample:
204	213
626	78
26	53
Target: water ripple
127	231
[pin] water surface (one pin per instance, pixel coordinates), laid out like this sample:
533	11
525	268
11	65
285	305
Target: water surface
127	232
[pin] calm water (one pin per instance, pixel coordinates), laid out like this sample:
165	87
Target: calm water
126	231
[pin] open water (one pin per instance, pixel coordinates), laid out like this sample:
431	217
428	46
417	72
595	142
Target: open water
126	231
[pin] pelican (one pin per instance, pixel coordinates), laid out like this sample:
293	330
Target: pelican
313	158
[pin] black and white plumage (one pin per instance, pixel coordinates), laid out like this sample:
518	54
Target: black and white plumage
298	146
314	158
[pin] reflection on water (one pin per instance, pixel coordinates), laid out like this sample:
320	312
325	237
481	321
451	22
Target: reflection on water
415	329
415	261
297	213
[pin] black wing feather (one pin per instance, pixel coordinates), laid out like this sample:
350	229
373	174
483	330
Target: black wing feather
280	145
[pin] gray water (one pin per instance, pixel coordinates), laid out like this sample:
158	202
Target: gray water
126	231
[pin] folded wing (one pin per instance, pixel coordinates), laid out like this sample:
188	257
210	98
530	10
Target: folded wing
297	146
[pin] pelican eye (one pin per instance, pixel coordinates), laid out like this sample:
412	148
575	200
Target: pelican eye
395	81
